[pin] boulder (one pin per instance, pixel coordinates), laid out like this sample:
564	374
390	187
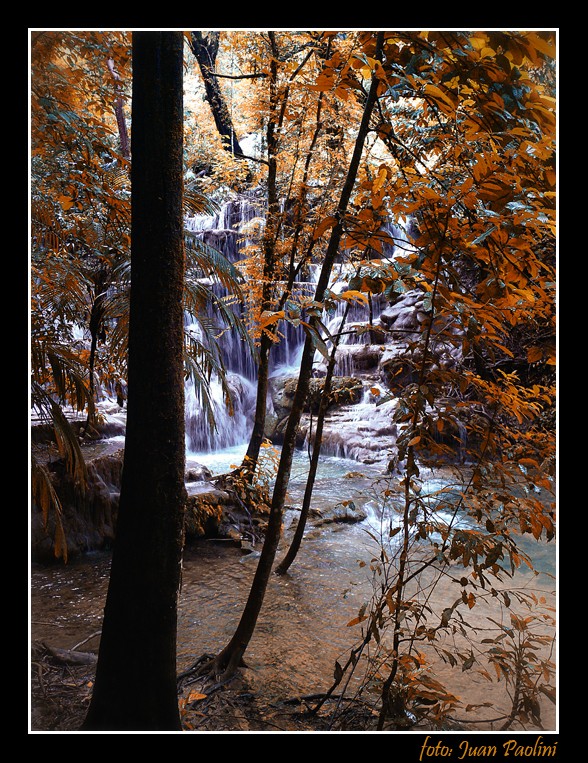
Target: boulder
205	509
198	473
345	390
345	512
88	517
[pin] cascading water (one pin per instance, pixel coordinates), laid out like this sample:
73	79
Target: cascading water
228	430
228	233
231	231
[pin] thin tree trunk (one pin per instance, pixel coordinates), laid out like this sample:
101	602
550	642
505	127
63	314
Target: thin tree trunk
269	265
135	687
95	326
266	344
231	656
286	562
120	115
251	457
391	702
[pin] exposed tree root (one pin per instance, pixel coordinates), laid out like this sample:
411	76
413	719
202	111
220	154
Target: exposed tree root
211	667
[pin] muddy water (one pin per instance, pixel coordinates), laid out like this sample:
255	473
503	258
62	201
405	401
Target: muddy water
302	628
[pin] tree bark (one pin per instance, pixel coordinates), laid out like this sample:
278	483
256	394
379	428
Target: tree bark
135	687
251	457
231	656
205	50
96	326
269	244
286	562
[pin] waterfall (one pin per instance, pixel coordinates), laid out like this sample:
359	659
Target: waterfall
229	429
237	225
228	232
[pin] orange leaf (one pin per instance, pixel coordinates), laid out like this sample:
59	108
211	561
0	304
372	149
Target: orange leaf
328	222
194	696
534	354
356	620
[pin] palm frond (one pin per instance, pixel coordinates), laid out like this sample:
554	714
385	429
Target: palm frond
216	315
47	229
212	263
46	498
51	412
195	203
202	363
116	314
122	271
60	288
59	367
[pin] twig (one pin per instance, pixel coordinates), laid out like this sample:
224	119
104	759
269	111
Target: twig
85	641
307	698
479	720
44	622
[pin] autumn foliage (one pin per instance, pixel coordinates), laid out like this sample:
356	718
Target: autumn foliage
460	156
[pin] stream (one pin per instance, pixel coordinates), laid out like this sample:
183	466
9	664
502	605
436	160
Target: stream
303	627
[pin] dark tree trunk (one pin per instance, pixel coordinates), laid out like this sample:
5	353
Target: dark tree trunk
231	656
135	688
286	562
251	458
269	244
205	50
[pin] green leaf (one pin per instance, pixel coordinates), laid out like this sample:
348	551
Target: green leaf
484	236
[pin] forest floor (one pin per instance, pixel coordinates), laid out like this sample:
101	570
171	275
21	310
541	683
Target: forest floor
61	692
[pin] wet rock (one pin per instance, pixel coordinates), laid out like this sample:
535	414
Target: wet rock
205	510
88	516
198	473
401	315
345	512
363	432
345	390
359	358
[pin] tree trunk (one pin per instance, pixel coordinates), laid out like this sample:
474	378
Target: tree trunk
251	458
231	656
286	562
205	51
120	115
135	688
96	326
269	265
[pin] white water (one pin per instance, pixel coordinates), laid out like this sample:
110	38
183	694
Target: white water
234	229
227	428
